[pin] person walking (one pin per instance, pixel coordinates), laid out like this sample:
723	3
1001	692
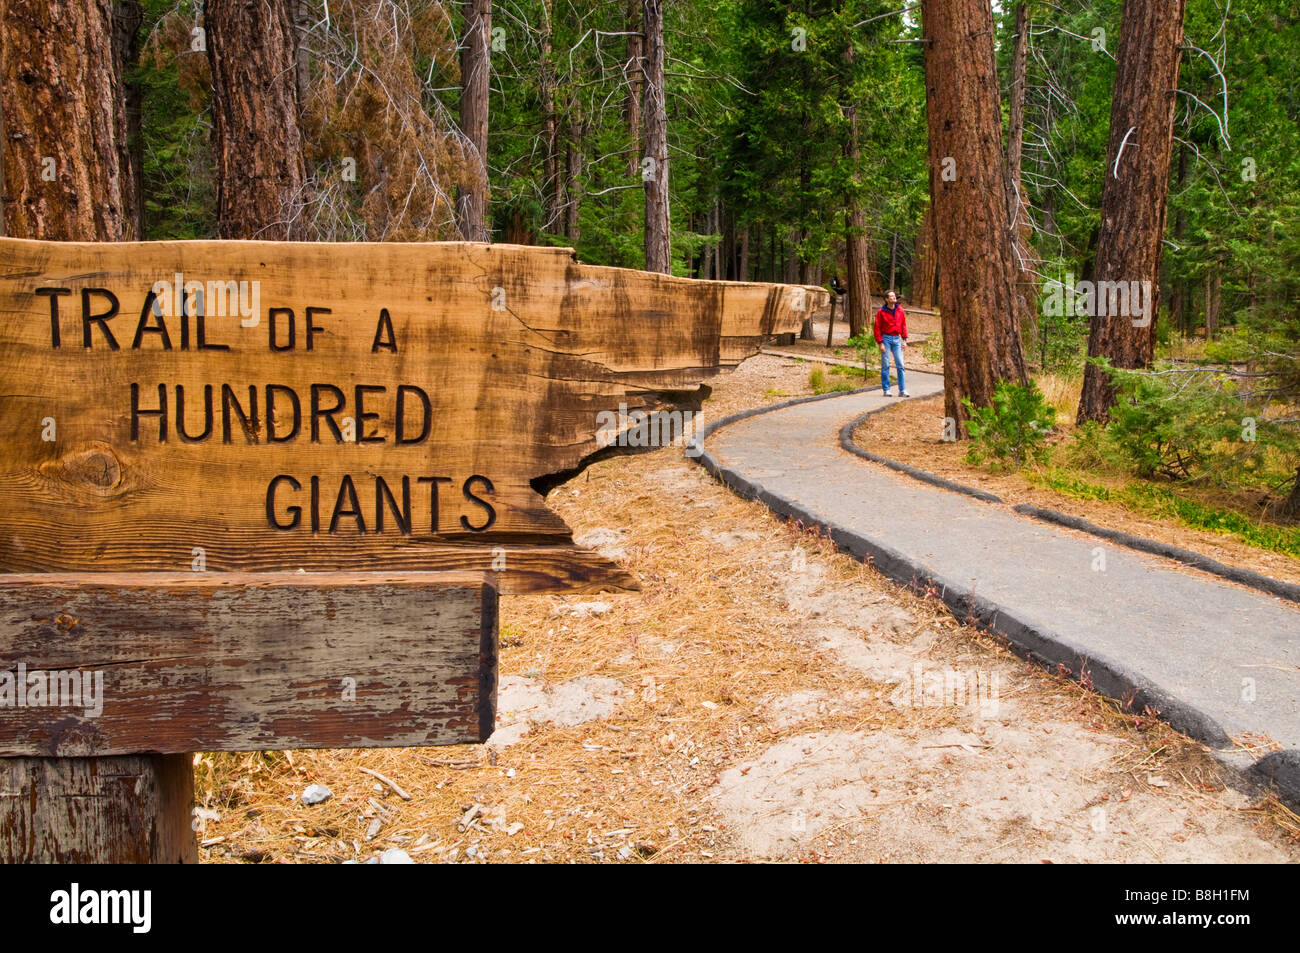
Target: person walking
891	335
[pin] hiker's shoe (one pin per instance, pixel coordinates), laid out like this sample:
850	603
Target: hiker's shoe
907	393
888	394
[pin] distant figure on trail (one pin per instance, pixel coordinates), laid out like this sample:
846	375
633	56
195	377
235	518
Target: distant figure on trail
891	335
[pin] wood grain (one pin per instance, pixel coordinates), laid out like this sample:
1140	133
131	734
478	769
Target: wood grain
132	809
517	349
235	662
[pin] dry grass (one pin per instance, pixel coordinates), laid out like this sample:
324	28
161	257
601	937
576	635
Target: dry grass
733	621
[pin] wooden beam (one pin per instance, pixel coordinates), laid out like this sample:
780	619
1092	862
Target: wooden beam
122	663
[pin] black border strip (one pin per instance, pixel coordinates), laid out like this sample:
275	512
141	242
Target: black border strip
1026	637
487	658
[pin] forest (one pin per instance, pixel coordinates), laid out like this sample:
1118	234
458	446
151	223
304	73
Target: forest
758	141
1087	209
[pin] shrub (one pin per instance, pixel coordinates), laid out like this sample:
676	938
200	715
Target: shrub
868	351
817	381
1169	424
932	349
1013	429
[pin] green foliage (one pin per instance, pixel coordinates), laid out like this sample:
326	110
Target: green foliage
1013	429
932	349
1169	428
817	381
1195	424
868	351
1164	503
1062	338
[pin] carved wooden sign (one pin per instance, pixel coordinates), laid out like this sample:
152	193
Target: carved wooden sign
256	406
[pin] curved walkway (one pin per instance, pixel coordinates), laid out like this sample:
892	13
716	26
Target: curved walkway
1217	661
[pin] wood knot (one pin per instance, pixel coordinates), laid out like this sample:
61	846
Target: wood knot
96	468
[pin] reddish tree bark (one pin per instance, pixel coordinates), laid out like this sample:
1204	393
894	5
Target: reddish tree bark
658	251
1134	198
260	172
978	293
63	152
925	272
475	60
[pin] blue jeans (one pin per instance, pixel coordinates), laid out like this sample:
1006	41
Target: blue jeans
893	344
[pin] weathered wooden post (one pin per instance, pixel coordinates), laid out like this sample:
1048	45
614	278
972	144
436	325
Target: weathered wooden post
263	495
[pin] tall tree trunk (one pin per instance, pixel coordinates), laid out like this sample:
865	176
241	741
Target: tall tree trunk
1213	299
1134	198
857	303
64	122
742	268
1290	508
1017	201
634	75
978	294
128	15
573	176
893	260
655	141
260	172
475	59
925	272
552	189
1178	299
302	24
1016	204
65	179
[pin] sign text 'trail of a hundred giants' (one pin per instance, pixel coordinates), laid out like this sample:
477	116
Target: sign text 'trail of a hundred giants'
251	405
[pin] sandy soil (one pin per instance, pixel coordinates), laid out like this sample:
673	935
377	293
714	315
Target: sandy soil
763	698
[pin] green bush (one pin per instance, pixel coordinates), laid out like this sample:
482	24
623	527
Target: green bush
868	352
1164	503
817	381
932	349
1174	424
1013	429
1090	449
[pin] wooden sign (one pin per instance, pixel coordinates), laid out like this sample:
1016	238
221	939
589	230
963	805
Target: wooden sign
247	406
109	663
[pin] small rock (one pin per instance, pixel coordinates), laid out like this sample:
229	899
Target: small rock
373	830
624	852
583	610
510	773
395	855
315	794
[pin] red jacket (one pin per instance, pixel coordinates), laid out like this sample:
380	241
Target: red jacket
887	323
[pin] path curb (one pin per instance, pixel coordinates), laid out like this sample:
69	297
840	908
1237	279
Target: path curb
1246	577
1279	771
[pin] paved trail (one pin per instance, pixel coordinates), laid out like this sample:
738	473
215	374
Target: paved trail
1215	659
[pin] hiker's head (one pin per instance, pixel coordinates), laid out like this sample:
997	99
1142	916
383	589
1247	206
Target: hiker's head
892	297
